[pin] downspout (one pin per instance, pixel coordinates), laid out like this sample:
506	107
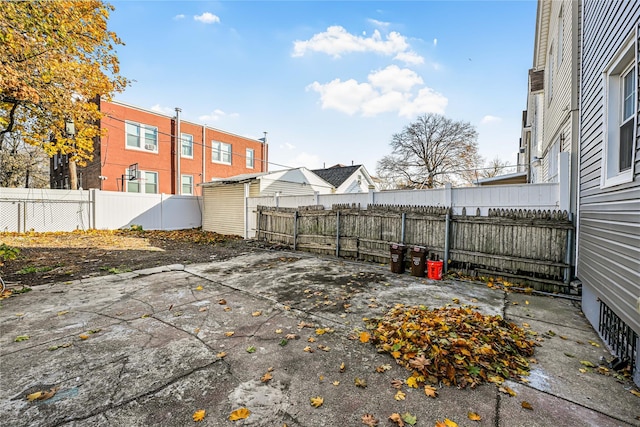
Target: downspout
204	157
178	152
264	153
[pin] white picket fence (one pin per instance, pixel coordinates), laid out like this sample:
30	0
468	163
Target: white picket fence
67	210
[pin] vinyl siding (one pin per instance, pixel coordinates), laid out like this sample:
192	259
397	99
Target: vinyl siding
609	219
223	207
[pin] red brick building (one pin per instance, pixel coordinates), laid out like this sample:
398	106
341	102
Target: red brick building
147	139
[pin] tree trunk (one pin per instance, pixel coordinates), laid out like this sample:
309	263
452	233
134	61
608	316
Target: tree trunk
73	176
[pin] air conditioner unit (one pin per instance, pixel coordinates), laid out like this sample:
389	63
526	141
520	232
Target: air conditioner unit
150	147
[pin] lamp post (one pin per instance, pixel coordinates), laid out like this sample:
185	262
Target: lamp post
70	130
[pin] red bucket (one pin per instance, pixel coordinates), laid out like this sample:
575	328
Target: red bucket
434	270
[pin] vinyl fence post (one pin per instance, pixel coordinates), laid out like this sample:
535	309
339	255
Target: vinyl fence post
337	233
404	220
19	215
447	226
295	229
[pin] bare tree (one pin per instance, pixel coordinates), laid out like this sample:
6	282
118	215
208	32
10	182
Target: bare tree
22	165
429	152
495	168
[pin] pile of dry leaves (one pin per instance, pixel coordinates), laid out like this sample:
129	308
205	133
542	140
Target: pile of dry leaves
454	346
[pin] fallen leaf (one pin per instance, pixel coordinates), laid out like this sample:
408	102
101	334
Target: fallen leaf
199	415
291	337
199	288
430	391
239	414
256	313
526	302
42	395
336	383
229	334
34	396
317	401
283	342
397	384
593	343
587	364
342	367
473	416
308	349
203	309
266	377
449	423
20	338
383	368
62	313
635	392
365	337
527	405
362	383
321	378
251	349
569	355
278	331
409	419
400	395
396	418
321	331
221	355
324	347
563	337
369	420
311	339
583	370
227	309
144	316
222	301
83	336
507	390
412	382
196	330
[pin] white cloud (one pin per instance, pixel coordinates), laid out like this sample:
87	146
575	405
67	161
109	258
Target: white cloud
409	58
177	17
490	119
216	115
287	146
336	41
427	101
395	78
379	24
387	90
163	110
207	18
435	42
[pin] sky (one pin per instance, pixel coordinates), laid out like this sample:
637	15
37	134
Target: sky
330	81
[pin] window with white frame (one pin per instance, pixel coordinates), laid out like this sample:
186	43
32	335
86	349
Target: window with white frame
187	184
250	158
187	145
221	152
142	137
620	116
147	182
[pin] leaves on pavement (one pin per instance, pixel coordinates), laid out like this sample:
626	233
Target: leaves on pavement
42	395
474	417
409	419
20	338
400	395
360	382
527	405
455	346
266	377
199	415
430	391
369	420
239	414
317	401
396	418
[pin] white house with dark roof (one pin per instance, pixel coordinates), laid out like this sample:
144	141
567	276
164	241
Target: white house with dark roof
347	179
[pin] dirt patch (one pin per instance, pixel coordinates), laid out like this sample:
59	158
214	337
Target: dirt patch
53	257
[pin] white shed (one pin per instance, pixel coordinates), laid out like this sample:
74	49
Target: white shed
225	206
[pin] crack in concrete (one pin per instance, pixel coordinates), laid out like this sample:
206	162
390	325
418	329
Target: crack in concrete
108	407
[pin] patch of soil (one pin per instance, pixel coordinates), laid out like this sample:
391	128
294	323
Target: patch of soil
58	257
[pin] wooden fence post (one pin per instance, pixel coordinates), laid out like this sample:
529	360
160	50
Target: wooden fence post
338	233
295	229
447	225
404	218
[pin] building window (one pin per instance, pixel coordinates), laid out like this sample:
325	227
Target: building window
550	76
187	184
187	145
620	117
147	182
142	137
250	160
560	37
221	152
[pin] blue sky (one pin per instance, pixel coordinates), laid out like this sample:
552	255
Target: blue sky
330	81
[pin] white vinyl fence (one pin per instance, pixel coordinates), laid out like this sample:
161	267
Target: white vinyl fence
67	210
550	196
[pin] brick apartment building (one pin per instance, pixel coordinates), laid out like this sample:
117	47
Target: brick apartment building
145	138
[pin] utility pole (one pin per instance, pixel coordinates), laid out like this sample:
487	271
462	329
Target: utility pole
70	130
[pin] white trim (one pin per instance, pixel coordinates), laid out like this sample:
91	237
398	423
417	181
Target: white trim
253	158
190	193
222	162
619	65
182	138
141	139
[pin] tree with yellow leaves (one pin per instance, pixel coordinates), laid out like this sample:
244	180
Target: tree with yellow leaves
55	58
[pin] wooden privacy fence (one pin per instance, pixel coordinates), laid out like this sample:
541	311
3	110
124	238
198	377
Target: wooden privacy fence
522	245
